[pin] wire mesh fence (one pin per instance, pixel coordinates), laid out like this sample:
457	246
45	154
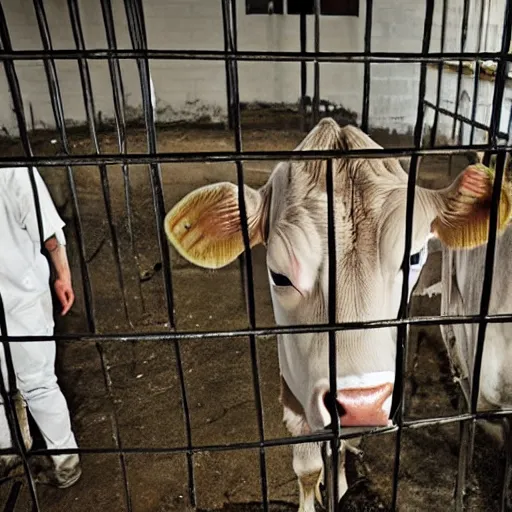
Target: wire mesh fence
498	143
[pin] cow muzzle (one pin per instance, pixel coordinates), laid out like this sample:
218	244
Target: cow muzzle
357	406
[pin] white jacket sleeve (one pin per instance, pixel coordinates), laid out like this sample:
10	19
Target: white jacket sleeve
52	223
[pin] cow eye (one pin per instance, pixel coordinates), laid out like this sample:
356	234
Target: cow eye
415	258
280	279
419	258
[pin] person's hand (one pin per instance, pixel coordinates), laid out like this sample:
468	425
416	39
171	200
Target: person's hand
65	293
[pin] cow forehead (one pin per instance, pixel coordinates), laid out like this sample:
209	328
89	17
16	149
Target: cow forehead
362	207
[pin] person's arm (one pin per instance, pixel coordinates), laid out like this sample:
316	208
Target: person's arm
52	224
63	286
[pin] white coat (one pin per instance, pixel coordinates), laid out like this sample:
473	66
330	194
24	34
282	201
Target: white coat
26	295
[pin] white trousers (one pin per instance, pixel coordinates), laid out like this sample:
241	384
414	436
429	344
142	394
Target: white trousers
34	366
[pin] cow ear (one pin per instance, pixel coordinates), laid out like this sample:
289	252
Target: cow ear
463	216
205	228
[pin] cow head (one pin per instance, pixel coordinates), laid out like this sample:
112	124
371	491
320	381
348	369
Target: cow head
289	216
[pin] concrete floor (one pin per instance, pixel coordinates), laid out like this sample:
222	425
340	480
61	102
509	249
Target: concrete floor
144	396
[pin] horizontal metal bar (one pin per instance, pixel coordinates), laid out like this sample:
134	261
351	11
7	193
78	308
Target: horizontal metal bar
382	57
231	156
457	418
285	441
467	120
266	331
324	435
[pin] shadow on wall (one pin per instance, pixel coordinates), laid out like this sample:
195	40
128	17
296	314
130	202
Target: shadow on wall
291	116
286	116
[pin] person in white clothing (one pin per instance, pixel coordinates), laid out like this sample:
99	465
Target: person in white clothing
27	300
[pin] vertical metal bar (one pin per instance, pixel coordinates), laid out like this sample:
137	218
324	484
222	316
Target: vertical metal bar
14	87
230	30
316	66
119	105
12	499
229	86
399	388
10	408
138	37
241	270
116	432
335	420
303	71
231	123
136	26
509	129
85	78
120	119
463	37
467	429
367	51
466	445
440	69
507	471
58	113
499	89
8	396
476	79
234	37
488	275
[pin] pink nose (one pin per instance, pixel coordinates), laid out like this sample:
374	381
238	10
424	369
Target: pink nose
365	406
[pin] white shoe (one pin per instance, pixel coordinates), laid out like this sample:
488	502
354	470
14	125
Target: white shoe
65	471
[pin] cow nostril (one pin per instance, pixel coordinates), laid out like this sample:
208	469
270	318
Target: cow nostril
332	404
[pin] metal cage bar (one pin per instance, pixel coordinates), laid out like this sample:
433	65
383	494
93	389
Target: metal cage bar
118	96
476	81
465	120
7	396
116	431
135	17
399	388
136	25
463	37
10	504
440	69
230	30
367	77
303	70
58	113
232	156
335	420
85	79
119	111
316	64
285	441
468	428
83	66
231	56
270	331
250	56
491	244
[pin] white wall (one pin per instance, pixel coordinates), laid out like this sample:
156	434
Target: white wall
187	90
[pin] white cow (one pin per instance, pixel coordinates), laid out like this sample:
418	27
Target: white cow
289	216
461	291
461	295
